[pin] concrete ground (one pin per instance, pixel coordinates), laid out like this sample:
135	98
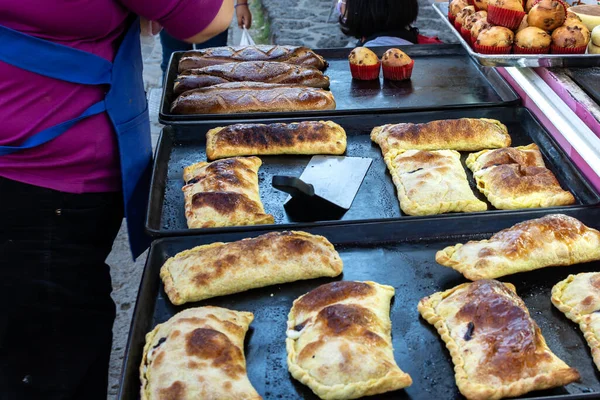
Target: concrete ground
293	22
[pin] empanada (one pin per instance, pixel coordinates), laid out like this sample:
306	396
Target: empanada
307	137
339	341
553	240
465	134
218	269
224	193
496	347
198	354
514	178
431	182
578	297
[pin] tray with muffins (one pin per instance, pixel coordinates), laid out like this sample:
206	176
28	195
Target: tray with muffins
258	82
528	33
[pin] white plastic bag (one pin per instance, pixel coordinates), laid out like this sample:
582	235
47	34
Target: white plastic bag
246	39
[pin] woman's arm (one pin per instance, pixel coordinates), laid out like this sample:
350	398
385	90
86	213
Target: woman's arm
218	25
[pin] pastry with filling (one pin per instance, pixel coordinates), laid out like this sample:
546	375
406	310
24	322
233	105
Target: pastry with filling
198	354
307	137
339	341
516	177
497	348
431	182
223	193
553	240
578	297
219	269
465	134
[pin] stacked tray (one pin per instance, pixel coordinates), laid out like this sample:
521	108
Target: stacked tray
444	77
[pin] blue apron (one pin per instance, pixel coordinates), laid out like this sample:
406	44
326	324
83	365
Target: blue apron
125	103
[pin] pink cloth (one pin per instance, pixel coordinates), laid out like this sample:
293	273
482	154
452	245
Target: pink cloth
85	158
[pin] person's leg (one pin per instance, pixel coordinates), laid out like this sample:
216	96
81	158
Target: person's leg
56	314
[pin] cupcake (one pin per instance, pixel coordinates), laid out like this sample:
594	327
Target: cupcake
364	64
532	40
570	40
397	66
506	13
465	30
455	7
481	5
547	15
477	27
494	40
462	15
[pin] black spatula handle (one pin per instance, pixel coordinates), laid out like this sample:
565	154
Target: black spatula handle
293	186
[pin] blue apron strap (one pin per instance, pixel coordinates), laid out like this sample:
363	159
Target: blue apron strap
50	133
52	59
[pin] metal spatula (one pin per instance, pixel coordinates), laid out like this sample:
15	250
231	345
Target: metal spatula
326	188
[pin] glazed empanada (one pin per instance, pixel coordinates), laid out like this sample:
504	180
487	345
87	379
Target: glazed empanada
513	178
339	341
578	297
198	354
553	240
465	134
431	182
219	269
307	137
496	347
224	193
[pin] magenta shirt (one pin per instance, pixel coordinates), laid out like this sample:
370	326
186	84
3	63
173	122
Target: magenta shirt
85	158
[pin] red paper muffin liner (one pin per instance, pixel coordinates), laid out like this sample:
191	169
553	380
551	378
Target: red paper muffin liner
471	2
466	34
492	49
457	25
510	19
525	50
451	18
398	73
365	72
567	50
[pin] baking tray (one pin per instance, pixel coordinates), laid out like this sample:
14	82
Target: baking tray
519	60
400	254
180	146
444	77
588	79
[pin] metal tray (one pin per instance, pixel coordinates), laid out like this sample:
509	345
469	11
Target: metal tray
400	254
588	79
180	146
444	77
519	60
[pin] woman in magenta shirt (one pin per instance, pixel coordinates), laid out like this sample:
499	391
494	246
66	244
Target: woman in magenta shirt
61	202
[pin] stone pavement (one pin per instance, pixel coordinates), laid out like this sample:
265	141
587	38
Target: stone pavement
293	22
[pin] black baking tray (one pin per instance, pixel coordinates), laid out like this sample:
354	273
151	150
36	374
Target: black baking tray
444	77
588	79
400	254
376	200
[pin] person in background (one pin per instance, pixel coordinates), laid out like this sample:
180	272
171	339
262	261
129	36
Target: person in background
381	22
75	156
171	44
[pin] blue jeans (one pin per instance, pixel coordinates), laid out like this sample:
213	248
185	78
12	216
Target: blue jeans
170	45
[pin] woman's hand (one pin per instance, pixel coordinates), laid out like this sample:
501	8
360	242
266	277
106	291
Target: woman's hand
244	16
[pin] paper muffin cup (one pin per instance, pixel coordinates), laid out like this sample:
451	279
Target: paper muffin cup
471	2
457	25
365	72
567	50
526	50
451	17
398	73
510	19
492	49
466	34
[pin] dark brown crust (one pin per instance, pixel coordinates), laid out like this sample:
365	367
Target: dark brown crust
222	174
253	71
225	203
209	344
174	392
241	97
511	155
220	55
332	293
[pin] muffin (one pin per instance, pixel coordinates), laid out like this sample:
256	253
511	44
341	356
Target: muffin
547	14
570	40
477	27
364	64
506	13
462	15
529	5
397	66
455	7
465	30
480	5
494	40
532	40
